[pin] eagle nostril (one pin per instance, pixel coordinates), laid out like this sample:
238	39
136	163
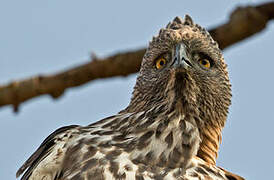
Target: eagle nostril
175	59
187	61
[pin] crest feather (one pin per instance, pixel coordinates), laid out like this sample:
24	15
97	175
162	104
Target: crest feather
178	22
188	20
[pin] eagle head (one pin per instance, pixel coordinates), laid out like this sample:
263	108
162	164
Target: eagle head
183	68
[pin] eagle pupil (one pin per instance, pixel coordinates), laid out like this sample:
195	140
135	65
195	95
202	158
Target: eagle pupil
162	63
204	62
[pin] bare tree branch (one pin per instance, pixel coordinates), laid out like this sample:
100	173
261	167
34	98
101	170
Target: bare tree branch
243	23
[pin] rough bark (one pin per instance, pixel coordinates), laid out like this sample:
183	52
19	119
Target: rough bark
243	23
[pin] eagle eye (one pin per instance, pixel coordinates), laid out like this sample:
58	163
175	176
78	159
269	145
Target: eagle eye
160	63
205	63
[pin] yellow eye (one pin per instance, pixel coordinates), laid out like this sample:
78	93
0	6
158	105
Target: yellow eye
205	63
160	63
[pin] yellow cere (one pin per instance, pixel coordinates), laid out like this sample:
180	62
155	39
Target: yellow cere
160	63
205	63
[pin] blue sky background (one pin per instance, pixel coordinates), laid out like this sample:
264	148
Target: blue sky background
43	37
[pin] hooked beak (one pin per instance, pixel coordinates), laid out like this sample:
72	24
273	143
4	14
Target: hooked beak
180	59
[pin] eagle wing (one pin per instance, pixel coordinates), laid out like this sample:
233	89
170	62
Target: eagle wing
70	151
44	150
